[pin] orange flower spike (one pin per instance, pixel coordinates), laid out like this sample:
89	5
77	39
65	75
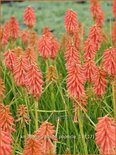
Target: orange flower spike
29	17
114	33
24	35
75	81
100	82
46	31
71	55
105	135
71	21
6	33
14	27
22	114
97	12
89	50
5	143
2	88
6	120
114	8
32	146
19	70
44	46
90	68
46	134
9	59
33	39
95	35
34	81
54	48
109	61
54	43
30	55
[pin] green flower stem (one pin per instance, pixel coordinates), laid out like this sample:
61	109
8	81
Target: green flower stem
81	130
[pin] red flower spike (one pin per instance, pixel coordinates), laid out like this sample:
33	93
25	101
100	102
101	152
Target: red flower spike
14	27
95	35
32	146
106	135
76	40
114	33
70	21
44	46
29	17
6	33
109	61
75	81
71	55
90	68
24	35
114	8
89	50
46	134
47	32
100	82
9	59
33	81
19	70
2	88
97	12
30	55
54	48
22	114
6	120
5	143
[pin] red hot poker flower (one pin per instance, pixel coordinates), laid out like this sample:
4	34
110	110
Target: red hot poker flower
46	135
100	82
114	33
6	120
5	143
6	33
19	70
24	35
90	68
71	55
14	27
30	55
33	80
22	114
109	61
105	135
97	12
2	88
95	35
32	146
75	81
71	22
54	48
114	8
44	46
89	49
9	59
29	17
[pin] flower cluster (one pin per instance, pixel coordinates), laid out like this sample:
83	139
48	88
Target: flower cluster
97	12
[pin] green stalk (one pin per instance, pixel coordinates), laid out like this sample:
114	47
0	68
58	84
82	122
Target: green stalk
81	130
114	97
36	115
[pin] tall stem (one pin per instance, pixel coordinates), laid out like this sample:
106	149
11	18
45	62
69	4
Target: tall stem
80	120
114	96
36	114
